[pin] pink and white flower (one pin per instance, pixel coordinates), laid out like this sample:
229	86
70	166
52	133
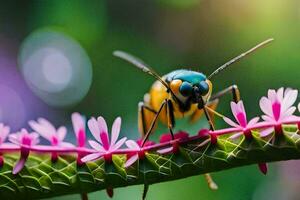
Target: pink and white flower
78	122
139	154
239	113
278	108
50	133
106	146
25	140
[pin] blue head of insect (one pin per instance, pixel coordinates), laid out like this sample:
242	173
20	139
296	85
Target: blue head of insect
190	86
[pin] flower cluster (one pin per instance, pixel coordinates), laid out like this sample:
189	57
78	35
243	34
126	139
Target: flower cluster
106	147
25	141
278	108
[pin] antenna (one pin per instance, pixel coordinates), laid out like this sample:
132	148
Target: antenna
145	68
139	64
224	66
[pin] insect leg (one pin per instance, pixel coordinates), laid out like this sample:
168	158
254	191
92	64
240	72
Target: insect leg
170	117
215	98
84	196
153	122
211	184
145	191
199	112
233	89
209	120
145	116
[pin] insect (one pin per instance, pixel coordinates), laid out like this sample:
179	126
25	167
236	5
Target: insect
181	93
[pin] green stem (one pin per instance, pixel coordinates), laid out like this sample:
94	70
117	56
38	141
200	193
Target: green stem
42	178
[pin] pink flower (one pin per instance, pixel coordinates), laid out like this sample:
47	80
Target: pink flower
50	133
106	146
239	113
25	140
278	108
78	122
168	138
140	153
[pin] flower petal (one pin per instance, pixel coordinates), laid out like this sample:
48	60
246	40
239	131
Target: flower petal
253	121
14	138
44	131
235	136
66	144
45	123
230	122
4	133
268	118
102	125
132	145
242	120
280	94
81	137
292	118
105	140
91	157
234	108
19	166
94	128
78	122
118	144
266	106
131	160
288	112
35	138
115	130
61	133
266	132
289	99
241	106
165	150
96	146
272	95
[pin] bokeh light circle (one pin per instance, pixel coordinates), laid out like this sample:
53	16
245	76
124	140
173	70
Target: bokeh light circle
56	67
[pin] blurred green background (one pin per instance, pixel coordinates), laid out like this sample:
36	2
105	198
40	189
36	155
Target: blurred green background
167	34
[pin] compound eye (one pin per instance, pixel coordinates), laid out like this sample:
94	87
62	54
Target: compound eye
203	88
186	89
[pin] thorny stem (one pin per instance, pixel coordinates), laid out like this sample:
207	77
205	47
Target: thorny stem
200	154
